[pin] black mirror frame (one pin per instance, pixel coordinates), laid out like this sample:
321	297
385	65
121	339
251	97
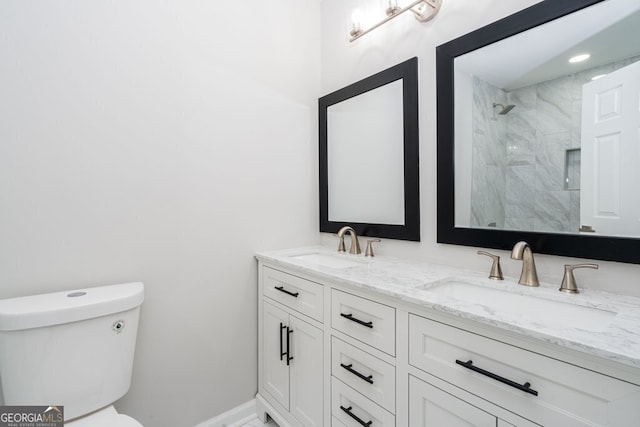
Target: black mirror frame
408	72
594	247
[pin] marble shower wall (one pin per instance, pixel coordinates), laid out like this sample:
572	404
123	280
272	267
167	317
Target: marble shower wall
535	137
489	157
542	126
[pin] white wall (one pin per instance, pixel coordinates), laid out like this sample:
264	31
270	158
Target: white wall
164	142
344	63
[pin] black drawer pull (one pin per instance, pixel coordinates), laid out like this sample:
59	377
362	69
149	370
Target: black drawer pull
356	373
355	417
282	353
282	289
526	387
353	319
289	358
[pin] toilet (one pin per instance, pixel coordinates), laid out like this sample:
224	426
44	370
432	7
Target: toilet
73	349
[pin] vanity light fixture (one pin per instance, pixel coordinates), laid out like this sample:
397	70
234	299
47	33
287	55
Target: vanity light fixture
423	10
579	58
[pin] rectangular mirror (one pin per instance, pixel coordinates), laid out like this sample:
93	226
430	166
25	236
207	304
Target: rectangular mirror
369	155
537	143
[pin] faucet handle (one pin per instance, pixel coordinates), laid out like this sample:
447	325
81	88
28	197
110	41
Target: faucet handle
496	270
569	281
369	250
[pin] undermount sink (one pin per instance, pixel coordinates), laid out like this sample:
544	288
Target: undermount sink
555	314
326	260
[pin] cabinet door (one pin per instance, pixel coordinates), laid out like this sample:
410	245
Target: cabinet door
306	372
431	407
275	372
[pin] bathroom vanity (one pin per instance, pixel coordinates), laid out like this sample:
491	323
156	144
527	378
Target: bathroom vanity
346	340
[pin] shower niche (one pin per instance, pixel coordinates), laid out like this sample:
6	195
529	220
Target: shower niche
572	169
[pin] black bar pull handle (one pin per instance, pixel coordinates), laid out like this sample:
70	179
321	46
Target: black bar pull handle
357	374
289	358
353	319
282	354
355	417
282	289
526	387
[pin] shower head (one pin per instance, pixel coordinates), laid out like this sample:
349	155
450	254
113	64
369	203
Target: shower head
504	109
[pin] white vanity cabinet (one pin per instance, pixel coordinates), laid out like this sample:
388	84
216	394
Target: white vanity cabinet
359	356
291	352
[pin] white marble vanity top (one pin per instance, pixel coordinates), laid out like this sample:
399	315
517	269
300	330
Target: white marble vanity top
616	339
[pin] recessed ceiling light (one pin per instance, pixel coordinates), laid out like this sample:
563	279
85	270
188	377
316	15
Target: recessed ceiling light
579	58
599	76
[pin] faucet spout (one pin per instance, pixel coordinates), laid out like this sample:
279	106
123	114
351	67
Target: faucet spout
355	244
529	275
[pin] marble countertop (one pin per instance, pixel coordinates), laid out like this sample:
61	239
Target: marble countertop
613	334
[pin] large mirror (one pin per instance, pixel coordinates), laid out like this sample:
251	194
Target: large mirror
369	155
539	131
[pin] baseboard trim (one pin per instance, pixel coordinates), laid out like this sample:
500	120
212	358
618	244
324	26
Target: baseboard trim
235	417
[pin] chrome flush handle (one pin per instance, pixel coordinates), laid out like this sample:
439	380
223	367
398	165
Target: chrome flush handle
496	270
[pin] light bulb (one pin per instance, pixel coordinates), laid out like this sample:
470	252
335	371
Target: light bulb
392	8
356	23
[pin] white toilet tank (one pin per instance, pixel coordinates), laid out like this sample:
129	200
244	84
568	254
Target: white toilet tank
72	348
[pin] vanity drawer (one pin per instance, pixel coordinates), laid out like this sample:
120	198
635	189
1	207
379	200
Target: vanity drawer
365	373
365	320
301	295
431	406
347	405
567	395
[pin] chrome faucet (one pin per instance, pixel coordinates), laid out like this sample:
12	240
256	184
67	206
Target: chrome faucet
529	276
355	245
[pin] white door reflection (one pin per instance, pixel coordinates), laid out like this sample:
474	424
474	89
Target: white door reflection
610	202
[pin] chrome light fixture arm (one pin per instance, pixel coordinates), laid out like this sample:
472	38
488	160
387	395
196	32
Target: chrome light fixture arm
423	10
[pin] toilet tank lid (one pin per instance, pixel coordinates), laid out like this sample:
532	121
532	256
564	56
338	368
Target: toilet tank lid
56	308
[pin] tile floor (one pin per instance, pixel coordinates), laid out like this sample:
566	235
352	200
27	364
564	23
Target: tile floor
258	423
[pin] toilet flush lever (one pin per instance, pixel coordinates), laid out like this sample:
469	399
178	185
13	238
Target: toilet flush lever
118	326
496	270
